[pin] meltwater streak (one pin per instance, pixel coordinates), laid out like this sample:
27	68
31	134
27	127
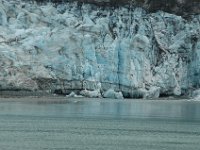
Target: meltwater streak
100	125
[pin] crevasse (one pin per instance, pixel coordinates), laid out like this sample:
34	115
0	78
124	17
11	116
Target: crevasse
71	47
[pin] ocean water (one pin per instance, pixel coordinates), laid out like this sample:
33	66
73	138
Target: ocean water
92	124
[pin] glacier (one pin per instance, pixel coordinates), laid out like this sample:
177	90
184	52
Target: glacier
97	51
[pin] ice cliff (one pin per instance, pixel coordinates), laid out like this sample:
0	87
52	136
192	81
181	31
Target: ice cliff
77	47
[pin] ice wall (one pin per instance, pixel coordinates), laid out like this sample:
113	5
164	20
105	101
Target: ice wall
72	47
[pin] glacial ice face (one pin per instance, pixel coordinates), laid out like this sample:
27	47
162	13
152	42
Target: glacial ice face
72	47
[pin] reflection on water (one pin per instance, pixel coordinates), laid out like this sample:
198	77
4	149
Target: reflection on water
100	124
180	110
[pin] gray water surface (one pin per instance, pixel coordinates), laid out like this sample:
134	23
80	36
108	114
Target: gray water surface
100	125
